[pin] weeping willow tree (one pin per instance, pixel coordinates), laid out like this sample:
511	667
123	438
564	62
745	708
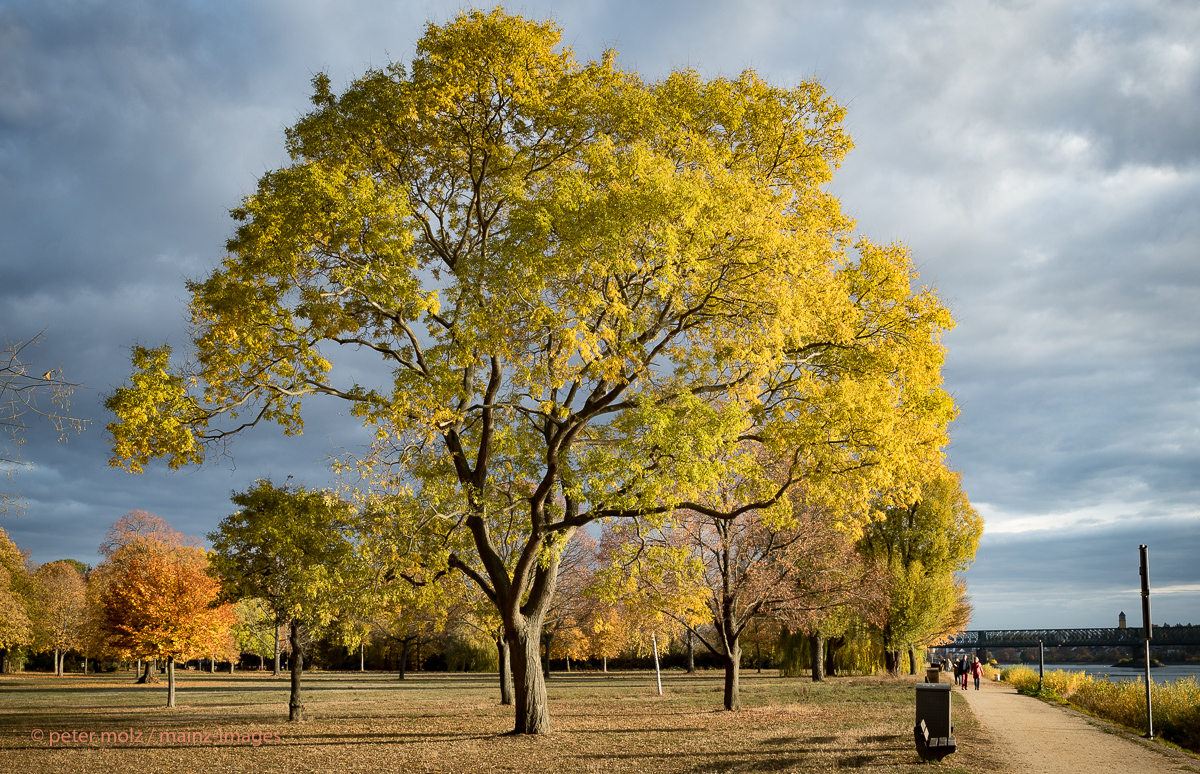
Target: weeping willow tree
853	647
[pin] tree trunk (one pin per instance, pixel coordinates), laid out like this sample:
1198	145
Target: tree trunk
57	663
831	647
817	645
891	655
757	646
912	660
295	704
691	653
403	658
506	675
276	672
733	665
149	675
524	640
170	681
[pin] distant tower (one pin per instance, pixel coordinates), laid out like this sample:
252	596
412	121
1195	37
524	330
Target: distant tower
1121	621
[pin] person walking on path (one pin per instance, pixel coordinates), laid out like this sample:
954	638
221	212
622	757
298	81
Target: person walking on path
977	671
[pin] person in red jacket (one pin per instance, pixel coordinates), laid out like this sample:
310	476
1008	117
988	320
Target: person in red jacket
976	672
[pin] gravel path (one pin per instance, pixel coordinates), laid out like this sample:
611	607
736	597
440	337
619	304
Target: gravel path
1038	738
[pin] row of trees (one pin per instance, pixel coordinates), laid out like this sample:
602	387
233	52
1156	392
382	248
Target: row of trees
316	563
40	607
152	598
602	301
295	562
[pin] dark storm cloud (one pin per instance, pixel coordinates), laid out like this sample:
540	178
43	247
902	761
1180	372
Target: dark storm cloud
1041	159
127	130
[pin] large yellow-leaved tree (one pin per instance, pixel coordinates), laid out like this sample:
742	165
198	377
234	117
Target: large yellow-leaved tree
587	286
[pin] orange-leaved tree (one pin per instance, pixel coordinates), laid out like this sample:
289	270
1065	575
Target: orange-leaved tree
130	529
160	601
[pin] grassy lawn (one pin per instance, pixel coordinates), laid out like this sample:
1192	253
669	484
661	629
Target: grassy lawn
454	722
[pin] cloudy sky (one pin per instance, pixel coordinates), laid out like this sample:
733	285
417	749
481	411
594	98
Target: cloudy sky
1042	159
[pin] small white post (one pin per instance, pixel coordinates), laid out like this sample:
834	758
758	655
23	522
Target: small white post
657	671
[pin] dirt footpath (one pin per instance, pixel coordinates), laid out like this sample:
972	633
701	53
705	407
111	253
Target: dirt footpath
1038	738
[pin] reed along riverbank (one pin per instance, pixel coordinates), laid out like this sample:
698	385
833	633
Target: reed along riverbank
1176	703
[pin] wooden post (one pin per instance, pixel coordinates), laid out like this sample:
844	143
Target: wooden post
1041	663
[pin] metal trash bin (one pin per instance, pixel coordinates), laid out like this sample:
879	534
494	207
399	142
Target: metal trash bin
933	706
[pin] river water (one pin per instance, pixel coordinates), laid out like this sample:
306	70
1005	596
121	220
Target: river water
1167	673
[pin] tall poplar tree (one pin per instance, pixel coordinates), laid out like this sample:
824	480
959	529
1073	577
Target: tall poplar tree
586	286
922	546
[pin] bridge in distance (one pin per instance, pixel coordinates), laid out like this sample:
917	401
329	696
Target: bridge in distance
1161	637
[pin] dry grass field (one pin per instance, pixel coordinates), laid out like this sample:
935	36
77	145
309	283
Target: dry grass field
454	723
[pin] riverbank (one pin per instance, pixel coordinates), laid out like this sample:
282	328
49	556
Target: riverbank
1034	737
1168	672
1176	703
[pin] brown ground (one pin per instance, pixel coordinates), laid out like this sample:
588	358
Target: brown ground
453	723
1034	737
602	723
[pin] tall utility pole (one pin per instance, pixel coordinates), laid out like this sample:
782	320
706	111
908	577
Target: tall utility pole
1147	633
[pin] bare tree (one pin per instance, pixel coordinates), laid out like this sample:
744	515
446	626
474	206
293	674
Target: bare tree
24	394
743	569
